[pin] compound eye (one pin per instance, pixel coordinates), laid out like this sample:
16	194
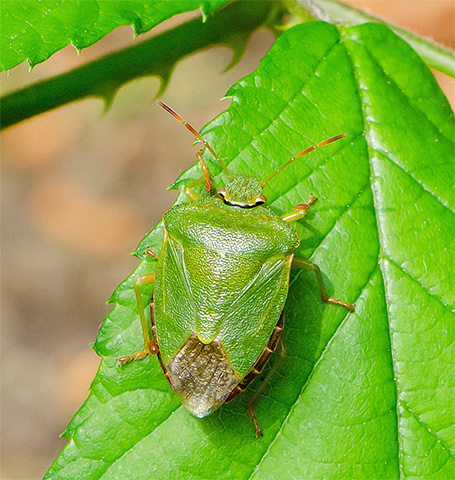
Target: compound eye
222	192
260	200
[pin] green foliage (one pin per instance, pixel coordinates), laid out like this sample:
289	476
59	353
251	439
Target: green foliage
433	54
156	56
359	395
33	31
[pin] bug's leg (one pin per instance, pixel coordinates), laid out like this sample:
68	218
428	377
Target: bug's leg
150	345
189	192
299	211
254	398
309	265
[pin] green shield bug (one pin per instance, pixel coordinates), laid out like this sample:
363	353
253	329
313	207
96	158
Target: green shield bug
220	286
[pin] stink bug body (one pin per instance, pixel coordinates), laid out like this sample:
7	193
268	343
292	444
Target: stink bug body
221	283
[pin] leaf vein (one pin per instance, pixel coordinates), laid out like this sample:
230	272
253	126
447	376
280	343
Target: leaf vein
415	180
286	102
426	427
381	235
416	281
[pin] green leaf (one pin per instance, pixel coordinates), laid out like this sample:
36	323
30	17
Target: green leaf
33	31
359	395
435	55
231	26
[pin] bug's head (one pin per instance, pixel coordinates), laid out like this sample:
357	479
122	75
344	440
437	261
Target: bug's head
243	191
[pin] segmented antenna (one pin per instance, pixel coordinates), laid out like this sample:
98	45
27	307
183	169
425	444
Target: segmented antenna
196	134
301	154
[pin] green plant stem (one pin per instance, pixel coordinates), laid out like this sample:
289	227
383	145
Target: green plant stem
231	26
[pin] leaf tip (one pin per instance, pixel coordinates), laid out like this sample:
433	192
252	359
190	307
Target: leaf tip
78	50
137	27
237	53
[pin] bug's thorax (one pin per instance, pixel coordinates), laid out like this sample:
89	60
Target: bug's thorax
244	191
213	225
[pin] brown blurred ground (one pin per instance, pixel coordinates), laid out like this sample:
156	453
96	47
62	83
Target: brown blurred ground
79	190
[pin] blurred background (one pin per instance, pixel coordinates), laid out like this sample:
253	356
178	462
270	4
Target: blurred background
79	189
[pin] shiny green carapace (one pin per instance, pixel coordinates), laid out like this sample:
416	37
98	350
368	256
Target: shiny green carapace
221	283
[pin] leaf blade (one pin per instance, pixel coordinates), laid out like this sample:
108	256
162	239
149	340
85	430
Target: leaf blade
359	367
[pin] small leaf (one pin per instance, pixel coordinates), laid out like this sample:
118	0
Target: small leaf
359	395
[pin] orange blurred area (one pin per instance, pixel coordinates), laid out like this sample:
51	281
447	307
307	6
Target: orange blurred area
80	188
65	212
47	138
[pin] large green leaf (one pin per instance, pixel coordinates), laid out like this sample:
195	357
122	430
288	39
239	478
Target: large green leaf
33	31
359	395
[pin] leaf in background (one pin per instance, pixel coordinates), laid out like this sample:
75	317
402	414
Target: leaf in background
360	395
231	26
33	31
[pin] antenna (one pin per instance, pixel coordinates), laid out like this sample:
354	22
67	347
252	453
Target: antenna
196	134
301	154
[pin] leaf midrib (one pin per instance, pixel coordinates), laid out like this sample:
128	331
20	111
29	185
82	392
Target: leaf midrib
381	243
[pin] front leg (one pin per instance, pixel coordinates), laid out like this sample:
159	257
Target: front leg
189	192
299	211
